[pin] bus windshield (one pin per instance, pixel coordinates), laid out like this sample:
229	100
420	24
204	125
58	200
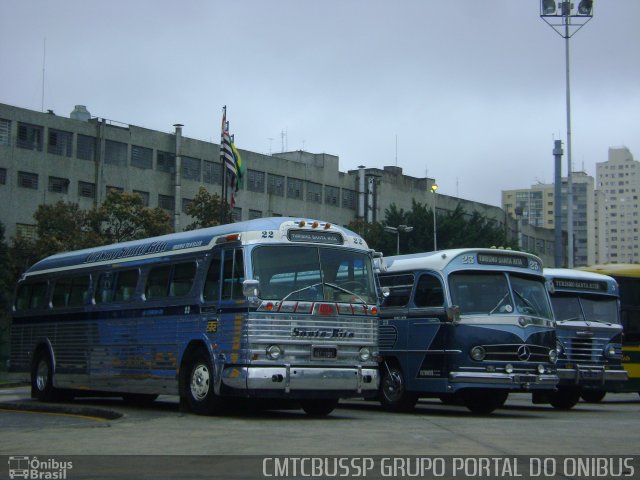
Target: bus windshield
488	293
312	273
590	308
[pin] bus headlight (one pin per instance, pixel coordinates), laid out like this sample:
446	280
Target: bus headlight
541	369
274	352
508	368
610	351
478	353
364	354
553	355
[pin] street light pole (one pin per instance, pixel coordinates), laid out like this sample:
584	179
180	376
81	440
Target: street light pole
566	24
434	187
396	231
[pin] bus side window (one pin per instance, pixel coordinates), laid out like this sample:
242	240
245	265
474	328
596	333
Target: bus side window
126	285
104	292
157	282
61	292
31	296
233	274
428	292
79	291
182	280
211	290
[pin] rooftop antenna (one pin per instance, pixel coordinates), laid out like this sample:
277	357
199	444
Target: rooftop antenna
44	57
270	142
283	138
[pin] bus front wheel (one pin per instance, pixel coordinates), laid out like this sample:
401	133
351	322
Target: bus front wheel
393	390
484	401
199	385
42	378
318	408
565	398
593	396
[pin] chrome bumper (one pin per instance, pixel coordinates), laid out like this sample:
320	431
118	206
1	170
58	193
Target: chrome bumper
591	374
550	380
288	378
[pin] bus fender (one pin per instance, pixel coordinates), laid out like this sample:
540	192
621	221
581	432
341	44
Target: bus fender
43	343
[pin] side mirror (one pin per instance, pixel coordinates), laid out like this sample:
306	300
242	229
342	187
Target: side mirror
250	288
453	314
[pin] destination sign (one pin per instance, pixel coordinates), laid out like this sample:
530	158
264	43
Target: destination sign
503	260
315	236
574	284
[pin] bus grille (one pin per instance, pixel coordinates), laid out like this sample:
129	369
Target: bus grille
584	350
388	335
516	353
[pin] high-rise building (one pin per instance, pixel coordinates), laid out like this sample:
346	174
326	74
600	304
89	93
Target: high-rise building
618	181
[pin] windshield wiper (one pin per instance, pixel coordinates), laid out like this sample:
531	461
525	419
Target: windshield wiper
337	287
499	303
572	319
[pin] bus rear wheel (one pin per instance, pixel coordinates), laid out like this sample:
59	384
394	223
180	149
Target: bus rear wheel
565	398
318	408
592	396
484	401
393	390
199	385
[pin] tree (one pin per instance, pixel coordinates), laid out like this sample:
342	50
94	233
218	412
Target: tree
123	216
205	208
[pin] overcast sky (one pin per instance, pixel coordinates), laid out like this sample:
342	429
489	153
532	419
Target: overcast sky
471	91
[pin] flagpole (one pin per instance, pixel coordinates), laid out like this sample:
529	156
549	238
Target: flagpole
224	167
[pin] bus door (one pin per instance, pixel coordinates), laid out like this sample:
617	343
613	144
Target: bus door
426	332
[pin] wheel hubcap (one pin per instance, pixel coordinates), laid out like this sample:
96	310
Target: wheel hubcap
200	382
42	375
393	386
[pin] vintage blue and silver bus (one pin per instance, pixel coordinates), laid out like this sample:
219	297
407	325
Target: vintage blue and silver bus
586	308
466	325
277	308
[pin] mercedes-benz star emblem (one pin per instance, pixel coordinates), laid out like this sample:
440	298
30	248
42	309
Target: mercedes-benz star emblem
524	353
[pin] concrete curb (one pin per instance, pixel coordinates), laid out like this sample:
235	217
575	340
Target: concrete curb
62	409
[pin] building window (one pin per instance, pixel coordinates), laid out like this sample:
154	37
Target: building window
314	192
165	162
294	188
25	231
212	172
186	203
60	142
144	196
29	136
87	189
3	176
276	185
331	195
115	153
5	131
86	147
236	214
141	157
348	199
253	214
58	185
28	180
255	181
166	202
190	168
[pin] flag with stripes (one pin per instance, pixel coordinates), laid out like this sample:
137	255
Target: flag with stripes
226	151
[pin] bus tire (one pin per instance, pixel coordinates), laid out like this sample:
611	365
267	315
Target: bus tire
42	377
199	384
484	401
393	392
318	408
593	396
565	398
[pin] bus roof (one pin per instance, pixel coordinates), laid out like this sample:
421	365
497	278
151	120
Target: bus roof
196	240
487	257
615	269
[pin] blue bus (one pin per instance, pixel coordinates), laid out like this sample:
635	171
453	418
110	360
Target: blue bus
278	308
467	326
586	308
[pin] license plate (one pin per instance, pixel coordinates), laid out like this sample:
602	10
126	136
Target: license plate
324	352
591	374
